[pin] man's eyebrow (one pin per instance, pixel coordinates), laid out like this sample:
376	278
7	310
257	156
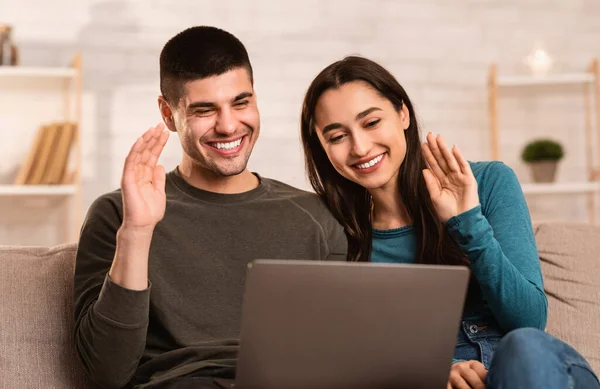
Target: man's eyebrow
242	96
201	104
210	104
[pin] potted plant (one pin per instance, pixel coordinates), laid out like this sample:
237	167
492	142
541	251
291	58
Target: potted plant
543	155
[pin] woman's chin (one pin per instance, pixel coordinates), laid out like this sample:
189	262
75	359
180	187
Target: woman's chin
371	183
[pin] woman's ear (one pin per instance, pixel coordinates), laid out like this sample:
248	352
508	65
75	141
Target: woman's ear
405	116
167	113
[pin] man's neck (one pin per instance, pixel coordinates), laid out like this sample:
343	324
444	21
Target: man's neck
210	182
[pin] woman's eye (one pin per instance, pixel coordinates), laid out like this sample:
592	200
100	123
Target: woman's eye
372	123
336	139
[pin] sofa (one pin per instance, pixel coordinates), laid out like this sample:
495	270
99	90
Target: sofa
36	320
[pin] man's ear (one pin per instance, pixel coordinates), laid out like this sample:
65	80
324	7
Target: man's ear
167	113
405	116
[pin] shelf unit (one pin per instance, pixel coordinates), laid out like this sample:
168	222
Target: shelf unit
69	79
591	83
39	72
517	81
38	190
561	188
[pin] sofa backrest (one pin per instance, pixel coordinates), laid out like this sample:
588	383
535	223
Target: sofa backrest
570	260
36	319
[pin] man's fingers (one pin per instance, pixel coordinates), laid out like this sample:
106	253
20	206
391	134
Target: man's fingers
158	178
160	143
157	149
133	155
149	134
152	141
160	127
153	147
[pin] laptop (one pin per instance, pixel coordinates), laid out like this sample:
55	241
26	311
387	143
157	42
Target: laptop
343	325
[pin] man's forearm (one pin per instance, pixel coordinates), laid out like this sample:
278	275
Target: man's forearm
111	335
130	265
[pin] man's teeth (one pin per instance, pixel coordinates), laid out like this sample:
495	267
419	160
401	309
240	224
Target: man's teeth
370	163
227	146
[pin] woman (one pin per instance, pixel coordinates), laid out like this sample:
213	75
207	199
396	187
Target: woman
406	202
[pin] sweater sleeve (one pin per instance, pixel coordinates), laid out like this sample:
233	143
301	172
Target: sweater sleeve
498	239
337	241
110	321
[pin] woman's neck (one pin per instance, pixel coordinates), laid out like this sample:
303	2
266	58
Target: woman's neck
388	210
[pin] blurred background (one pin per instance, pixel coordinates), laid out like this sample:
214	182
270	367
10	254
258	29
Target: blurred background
514	80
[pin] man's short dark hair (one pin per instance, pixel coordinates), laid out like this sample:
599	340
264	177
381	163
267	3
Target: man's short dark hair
196	53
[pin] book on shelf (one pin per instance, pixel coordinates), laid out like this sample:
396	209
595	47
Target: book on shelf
48	158
57	165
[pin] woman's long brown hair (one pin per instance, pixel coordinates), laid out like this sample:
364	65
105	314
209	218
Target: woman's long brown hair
351	203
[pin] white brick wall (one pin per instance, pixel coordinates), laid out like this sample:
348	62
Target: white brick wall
439	50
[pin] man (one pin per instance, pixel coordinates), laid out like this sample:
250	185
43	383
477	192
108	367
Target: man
161	262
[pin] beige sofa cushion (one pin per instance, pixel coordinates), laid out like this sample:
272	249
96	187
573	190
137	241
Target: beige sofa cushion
570	260
36	323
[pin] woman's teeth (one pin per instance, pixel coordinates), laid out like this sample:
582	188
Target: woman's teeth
372	162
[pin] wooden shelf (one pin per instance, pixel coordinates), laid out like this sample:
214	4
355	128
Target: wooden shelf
37	190
65	84
561	188
589	80
558	79
37	72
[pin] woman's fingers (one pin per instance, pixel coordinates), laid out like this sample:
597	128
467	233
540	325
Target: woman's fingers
467	375
432	141
432	183
465	168
432	162
479	368
448	156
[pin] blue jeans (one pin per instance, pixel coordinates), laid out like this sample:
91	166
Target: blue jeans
477	340
529	358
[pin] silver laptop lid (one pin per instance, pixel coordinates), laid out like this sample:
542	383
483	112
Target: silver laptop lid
329	325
